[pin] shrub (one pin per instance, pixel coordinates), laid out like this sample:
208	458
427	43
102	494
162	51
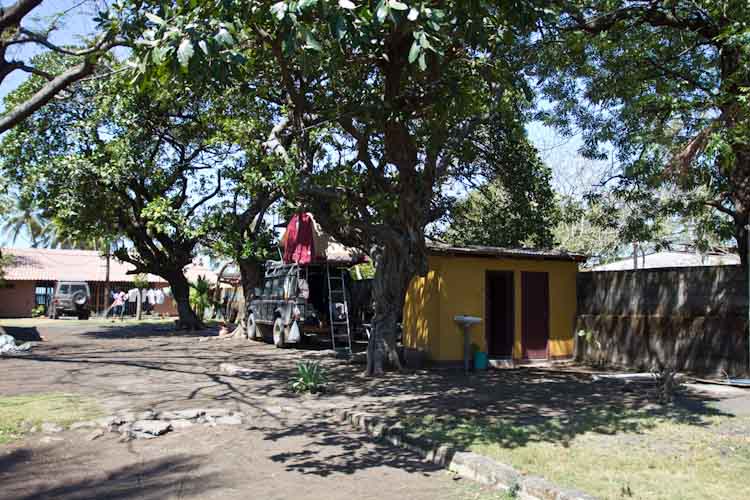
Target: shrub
311	377
38	311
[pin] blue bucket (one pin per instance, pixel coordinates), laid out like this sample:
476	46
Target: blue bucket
480	361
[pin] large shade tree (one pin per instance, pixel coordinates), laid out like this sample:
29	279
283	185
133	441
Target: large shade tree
109	161
665	85
381	99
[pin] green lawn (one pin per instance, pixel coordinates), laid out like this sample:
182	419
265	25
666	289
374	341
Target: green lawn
18	414
635	455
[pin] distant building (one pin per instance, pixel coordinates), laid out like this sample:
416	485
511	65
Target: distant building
31	275
670	258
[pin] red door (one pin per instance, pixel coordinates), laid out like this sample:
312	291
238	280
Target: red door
535	314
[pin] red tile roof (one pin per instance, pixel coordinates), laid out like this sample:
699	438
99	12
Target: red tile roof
43	264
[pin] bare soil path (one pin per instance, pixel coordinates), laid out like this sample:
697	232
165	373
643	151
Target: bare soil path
289	448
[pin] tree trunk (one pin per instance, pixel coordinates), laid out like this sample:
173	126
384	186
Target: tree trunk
740	181
139	305
396	263
742	243
187	320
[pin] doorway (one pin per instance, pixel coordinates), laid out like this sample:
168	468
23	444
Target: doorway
535	314
500	329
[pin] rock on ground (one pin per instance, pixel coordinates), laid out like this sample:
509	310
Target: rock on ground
229	420
150	427
51	427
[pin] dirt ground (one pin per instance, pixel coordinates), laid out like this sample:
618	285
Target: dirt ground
290	446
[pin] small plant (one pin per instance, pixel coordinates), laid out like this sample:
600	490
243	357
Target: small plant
513	491
667	382
200	298
589	338
38	311
311	377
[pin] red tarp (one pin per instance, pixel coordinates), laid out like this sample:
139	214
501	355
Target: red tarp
299	245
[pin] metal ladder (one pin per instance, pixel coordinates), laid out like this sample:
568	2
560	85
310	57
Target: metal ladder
337	294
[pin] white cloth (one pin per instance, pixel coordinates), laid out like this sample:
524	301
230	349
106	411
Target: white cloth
133	295
150	296
159	296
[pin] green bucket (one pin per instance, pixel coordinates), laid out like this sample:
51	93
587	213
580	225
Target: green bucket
480	361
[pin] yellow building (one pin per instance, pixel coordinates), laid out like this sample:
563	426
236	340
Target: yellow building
526	300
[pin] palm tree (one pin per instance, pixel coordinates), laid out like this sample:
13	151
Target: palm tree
22	218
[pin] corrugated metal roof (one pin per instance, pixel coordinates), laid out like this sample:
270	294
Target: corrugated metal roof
437	247
671	259
44	264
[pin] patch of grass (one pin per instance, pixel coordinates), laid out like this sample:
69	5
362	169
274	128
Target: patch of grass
18	414
633	454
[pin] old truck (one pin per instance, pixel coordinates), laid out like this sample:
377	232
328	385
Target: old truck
311	293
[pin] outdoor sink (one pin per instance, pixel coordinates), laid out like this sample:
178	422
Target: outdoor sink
466	322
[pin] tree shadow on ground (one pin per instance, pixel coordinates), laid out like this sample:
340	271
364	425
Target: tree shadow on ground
335	452
117	332
26	475
514	408
23	333
509	407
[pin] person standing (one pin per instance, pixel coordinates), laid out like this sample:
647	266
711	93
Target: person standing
118	304
123	297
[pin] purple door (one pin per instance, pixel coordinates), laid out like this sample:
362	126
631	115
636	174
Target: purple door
535	314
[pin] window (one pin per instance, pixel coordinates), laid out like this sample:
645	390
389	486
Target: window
64	289
77	288
43	294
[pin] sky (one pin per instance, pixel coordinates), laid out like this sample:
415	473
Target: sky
571	174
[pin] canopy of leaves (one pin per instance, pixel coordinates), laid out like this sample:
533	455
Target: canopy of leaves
515	208
664	85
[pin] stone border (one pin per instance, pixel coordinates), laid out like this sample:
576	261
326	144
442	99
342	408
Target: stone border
470	465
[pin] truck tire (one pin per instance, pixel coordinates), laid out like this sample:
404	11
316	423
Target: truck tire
278	332
80	299
252	329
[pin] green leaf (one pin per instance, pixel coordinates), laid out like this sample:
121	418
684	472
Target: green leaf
396	5
382	11
155	19
414	51
184	52
203	46
413	14
279	10
311	42
422	62
346	4
304	4
224	37
339	27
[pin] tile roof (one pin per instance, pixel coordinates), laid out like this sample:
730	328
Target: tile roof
44	264
441	248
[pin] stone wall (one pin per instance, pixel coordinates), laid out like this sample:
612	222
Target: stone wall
694	318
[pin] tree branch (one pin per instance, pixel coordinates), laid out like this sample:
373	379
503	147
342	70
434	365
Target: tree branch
207	197
45	94
11	16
